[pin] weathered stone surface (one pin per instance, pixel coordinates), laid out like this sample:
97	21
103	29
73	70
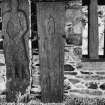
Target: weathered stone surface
37	64
3	71
91	77
35	43
74	39
70	73
100	73
35	52
93	66
74	81
70	56
66	50
86	72
87	91
65	77
73	24
77	51
73	5
35	70
67	87
35	60
2	59
92	85
36	89
36	80
66	82
2	99
1	37
80	86
68	67
2	84
102	86
79	65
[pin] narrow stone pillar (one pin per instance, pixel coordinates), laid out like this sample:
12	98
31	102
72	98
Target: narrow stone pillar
93	30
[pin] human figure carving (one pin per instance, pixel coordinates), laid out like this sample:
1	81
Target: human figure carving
15	28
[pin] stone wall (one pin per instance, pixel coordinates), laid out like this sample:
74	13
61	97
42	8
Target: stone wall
84	81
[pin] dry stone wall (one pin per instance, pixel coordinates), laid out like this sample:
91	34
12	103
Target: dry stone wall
84	82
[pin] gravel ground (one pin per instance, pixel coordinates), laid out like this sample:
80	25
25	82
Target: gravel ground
68	100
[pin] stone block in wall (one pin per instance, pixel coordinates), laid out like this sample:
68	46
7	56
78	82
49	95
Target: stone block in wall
2	84
36	89
73	26
35	80
74	4
68	67
87	92
2	58
102	86
67	82
35	51
2	99
93	66
35	60
2	70
73	17
86	72
2	79
75	39
79	65
78	52
74	80
1	42
67	57
70	73
100	72
35	70
71	56
79	86
91	77
92	85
